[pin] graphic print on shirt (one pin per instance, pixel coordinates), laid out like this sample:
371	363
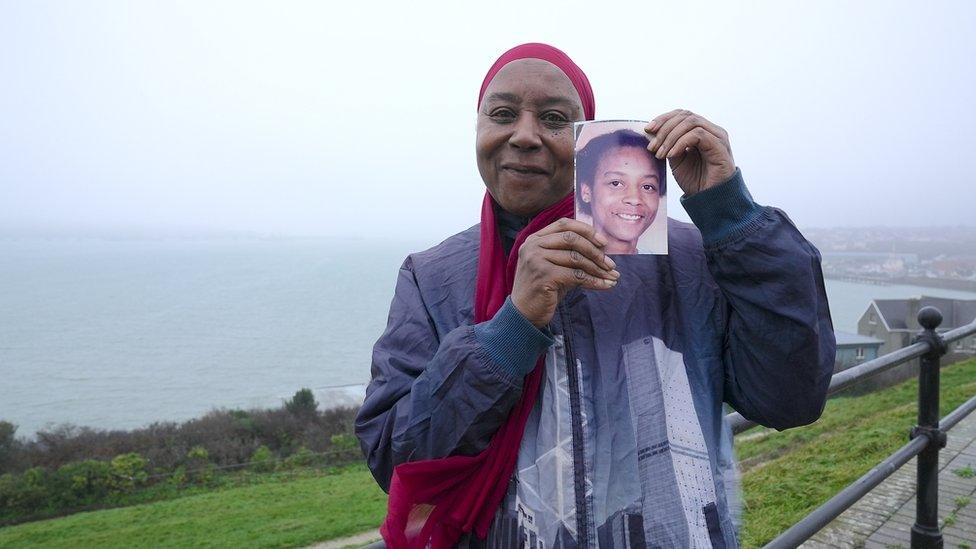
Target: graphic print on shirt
545	501
672	457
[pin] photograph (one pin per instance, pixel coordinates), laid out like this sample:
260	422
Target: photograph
621	188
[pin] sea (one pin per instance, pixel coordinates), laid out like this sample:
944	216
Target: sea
120	333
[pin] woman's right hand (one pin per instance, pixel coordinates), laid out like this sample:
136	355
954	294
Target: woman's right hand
559	257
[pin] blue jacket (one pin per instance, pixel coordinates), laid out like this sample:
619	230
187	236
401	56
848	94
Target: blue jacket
626	445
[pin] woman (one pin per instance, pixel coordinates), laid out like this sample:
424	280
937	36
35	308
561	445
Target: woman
620	187
531	391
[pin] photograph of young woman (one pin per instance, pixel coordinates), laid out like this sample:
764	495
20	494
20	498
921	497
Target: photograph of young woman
621	189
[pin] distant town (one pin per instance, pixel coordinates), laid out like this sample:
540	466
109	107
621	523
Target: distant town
936	257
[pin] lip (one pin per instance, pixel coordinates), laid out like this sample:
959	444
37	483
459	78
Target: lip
525	169
636	217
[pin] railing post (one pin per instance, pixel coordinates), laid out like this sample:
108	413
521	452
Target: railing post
925	531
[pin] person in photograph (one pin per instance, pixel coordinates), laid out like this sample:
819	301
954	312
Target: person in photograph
620	185
531	391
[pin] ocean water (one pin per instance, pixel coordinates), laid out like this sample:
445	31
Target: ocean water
118	334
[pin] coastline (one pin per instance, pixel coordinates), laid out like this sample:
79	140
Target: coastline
958	285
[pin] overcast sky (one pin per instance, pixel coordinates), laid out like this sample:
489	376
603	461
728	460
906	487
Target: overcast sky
322	119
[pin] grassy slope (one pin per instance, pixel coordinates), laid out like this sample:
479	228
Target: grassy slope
787	475
799	469
271	514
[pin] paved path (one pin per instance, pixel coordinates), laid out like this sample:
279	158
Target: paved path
353	541
883	518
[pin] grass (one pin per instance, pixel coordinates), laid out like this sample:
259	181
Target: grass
950	519
787	475
965	472
278	512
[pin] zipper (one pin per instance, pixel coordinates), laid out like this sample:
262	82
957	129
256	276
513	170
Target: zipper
576	420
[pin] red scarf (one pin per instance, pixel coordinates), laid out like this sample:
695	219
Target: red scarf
437	500
433	502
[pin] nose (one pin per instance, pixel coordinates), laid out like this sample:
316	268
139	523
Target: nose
525	133
632	195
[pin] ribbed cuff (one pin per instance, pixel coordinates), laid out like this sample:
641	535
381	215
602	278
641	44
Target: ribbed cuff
512	341
723	210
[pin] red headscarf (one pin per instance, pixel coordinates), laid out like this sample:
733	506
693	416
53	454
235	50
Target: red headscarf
434	502
545	52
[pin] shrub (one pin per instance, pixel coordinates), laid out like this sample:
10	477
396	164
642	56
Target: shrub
129	471
263	459
344	447
179	477
230	437
8	491
81	483
244	421
344	441
26	493
8	445
302	458
198	453
303	403
199	468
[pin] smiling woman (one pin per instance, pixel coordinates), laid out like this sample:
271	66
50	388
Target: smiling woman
525	136
577	402
619	186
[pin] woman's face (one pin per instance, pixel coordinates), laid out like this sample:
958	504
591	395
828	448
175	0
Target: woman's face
623	197
525	136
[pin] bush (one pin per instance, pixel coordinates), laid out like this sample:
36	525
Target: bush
81	483
129	471
179	477
263	460
345	447
199	468
8	445
244	422
344	441
302	404
302	458
23	494
8	492
230	436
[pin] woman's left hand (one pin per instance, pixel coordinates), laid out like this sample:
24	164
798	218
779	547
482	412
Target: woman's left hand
698	150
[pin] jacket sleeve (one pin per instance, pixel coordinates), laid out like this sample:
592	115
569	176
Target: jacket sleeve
778	350
432	397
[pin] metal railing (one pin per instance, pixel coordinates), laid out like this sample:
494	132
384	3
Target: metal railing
926	439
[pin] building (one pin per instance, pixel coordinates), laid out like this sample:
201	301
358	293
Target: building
895	323
853	349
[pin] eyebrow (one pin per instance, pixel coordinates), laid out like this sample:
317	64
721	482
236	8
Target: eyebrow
502	96
613	172
515	98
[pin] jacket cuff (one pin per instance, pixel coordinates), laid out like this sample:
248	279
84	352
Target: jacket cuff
512	341
722	211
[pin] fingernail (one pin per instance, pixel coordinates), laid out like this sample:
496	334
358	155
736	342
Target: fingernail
653	143
609	283
614	274
602	240
610	263
660	153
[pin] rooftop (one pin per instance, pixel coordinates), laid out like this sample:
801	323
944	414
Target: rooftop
849	339
955	312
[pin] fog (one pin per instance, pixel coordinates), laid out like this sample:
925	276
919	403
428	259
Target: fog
293	118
